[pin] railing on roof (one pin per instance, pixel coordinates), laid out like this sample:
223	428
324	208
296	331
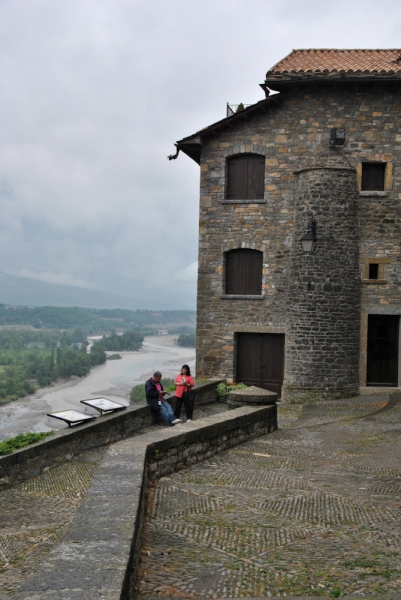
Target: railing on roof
234	108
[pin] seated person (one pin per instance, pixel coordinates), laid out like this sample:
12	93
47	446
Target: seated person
155	399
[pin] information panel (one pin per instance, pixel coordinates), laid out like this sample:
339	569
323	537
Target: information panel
103	405
72	417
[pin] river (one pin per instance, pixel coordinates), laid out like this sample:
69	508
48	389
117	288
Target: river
112	380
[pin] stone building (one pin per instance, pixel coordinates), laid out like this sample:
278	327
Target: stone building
318	164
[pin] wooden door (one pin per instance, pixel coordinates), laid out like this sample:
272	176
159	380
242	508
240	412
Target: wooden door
260	360
382	351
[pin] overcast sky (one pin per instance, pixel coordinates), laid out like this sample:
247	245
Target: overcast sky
93	95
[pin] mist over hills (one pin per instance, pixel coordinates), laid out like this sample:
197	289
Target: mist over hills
23	291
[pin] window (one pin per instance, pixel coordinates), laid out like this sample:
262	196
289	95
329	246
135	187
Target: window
373	271
244	272
245	177
373	176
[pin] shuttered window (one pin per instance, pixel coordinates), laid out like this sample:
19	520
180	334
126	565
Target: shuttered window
244	272
373	177
246	177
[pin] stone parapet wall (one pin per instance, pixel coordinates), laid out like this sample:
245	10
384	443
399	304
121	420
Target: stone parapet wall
99	554
66	443
174	453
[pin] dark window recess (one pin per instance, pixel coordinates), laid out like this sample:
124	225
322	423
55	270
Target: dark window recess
246	177
382	351
373	177
373	271
244	272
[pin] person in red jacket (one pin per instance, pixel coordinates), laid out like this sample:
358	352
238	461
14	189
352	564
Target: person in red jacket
184	383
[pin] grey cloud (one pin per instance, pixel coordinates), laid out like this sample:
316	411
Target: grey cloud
95	93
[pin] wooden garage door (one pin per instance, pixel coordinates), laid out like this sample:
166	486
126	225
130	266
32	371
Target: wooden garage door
260	360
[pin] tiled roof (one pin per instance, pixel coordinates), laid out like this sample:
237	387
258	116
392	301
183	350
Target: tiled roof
336	61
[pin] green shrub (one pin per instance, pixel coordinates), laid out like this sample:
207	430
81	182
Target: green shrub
21	440
187	339
114	357
223	389
138	391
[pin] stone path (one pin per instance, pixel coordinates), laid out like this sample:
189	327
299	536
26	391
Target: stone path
35	514
311	510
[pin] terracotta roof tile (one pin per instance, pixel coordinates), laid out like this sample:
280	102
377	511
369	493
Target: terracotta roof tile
335	61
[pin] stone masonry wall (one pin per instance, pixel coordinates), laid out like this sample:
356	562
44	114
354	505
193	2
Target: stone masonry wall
290	133
322	334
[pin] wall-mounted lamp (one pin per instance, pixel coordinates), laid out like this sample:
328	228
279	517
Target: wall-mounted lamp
337	136
308	241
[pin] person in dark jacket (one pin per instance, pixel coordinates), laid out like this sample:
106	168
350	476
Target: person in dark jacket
155	398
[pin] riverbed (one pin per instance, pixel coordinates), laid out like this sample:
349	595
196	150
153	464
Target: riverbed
112	380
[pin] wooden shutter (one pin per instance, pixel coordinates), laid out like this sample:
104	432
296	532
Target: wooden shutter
246	177
373	176
244	272
256	177
236	178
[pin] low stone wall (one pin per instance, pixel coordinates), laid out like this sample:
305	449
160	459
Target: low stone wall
229	429
66	443
98	556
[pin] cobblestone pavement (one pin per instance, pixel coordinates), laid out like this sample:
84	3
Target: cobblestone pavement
313	509
35	514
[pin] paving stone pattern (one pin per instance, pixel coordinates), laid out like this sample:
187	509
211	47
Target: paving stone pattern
310	510
35	515
313	509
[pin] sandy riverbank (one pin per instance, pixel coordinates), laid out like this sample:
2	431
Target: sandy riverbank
112	380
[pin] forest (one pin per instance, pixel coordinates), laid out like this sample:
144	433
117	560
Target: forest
41	345
93	321
130	340
31	359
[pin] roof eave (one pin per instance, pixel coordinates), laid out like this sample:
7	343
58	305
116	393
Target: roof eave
193	150
192	145
283	82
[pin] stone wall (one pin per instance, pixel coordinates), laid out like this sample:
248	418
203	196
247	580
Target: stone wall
323	316
289	134
66	443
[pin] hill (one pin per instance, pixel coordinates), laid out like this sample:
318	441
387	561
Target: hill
24	291
92	320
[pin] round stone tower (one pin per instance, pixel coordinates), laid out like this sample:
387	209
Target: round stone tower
323	310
